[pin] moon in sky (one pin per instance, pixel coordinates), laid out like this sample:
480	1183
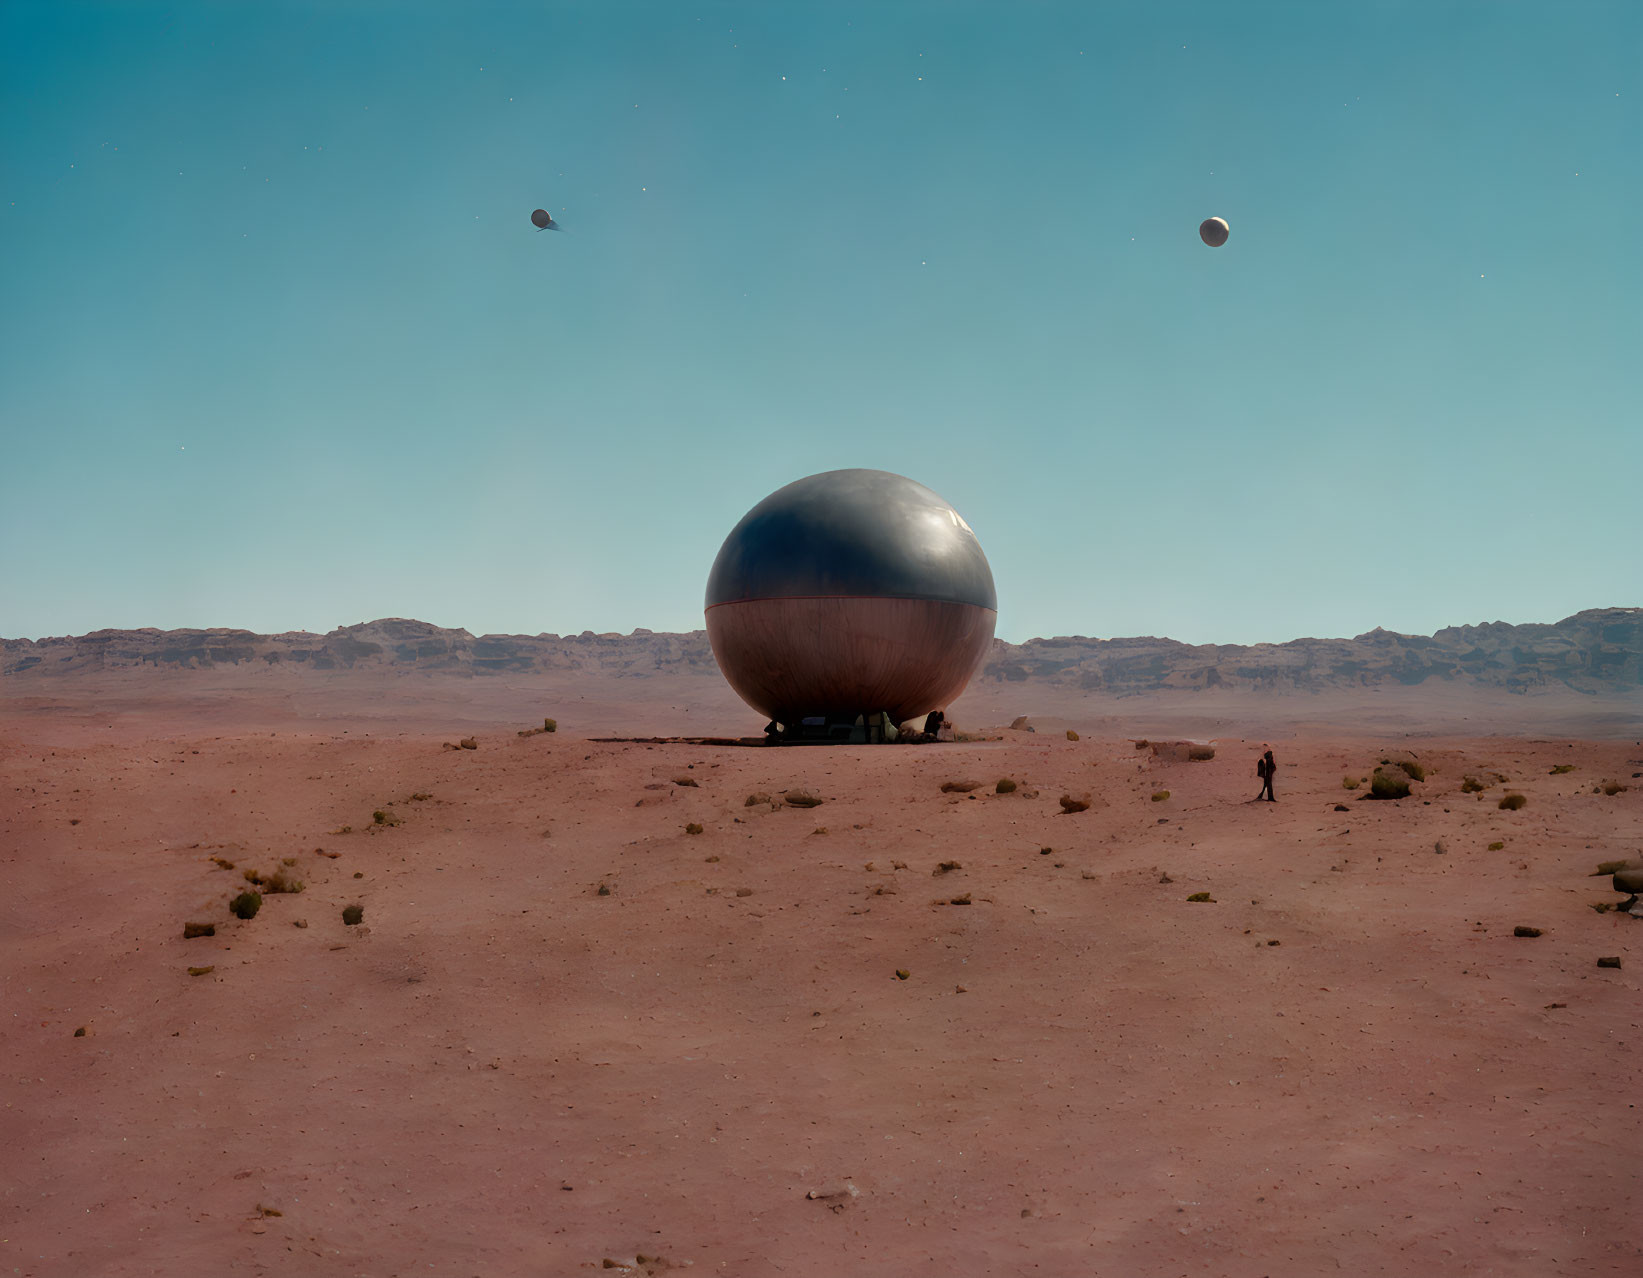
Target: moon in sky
542	220
1214	231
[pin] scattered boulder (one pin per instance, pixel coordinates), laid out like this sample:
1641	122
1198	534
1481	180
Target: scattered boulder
1341	807
468	743
802	799
1628	880
1388	785
959	787
1520	930
191	930
353	915
202	971
1612	960
755	800
960	900
1069	805
1020	724
1071	735
1202	896
1004	786
688	782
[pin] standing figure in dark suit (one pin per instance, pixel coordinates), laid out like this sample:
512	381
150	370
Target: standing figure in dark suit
1265	767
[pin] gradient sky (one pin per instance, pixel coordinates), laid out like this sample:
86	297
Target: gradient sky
279	348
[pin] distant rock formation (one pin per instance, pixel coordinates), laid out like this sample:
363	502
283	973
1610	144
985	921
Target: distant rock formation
1597	651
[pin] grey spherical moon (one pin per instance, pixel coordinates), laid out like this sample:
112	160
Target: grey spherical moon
1214	231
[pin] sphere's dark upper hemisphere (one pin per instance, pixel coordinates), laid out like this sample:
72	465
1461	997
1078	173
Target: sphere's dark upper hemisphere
852	532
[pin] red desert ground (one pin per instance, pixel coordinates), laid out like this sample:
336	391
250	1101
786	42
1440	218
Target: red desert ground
624	1004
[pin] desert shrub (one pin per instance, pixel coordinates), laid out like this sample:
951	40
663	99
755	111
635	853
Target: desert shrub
421	796
688	782
1200	753
191	930
253	877
288	860
1071	735
468	743
1070	805
1413	769
1201	896
802	799
384	816
1388	785
1158	796
222	863
1497	845
550	725
1512	802
1561	768
202	971
1471	785
353	915
1613	787
281	881
754	800
1142	744
246	905
1004	786
693	828
1349	783
959	787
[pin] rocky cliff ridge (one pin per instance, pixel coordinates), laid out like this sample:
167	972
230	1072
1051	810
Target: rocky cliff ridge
1597	651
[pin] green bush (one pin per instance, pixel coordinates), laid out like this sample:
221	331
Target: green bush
1613	787
353	915
1471	785
1005	786
1497	845
1158	796
1388	785
1512	802
550	725
1561	768
246	905
1349	783
1415	771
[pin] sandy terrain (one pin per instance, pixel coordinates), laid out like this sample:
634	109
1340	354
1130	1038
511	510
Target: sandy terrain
1345	1062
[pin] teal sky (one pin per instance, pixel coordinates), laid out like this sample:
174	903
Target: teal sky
279	348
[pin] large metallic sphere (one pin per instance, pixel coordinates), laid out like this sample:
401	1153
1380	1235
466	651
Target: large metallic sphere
1214	231
850	592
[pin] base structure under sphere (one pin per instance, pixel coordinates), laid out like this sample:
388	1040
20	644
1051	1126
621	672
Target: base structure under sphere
850	593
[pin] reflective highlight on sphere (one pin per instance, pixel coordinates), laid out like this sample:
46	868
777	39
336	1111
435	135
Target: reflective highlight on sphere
850	592
1214	231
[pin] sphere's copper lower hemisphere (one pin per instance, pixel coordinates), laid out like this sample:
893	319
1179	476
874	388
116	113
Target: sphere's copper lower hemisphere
793	658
